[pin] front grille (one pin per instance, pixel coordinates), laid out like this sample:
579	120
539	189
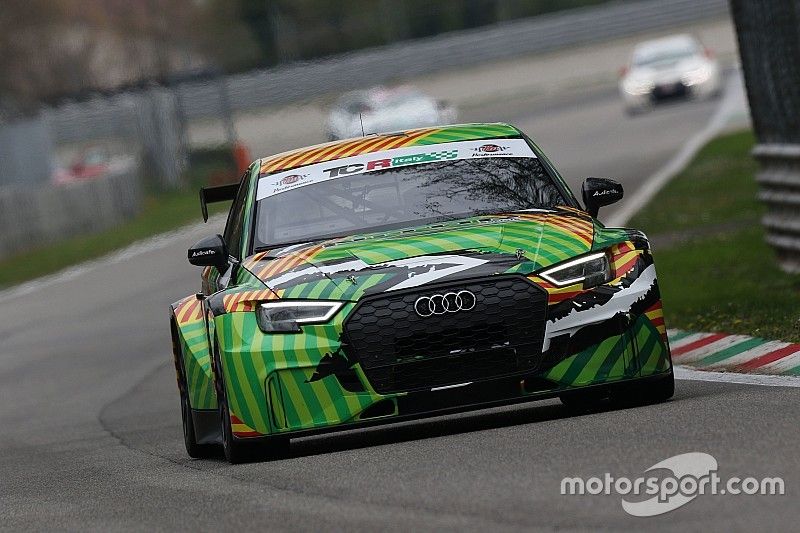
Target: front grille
673	90
402	351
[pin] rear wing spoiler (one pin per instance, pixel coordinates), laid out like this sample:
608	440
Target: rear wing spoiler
210	195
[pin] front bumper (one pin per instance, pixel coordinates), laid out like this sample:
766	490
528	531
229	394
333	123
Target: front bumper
300	383
673	90
486	395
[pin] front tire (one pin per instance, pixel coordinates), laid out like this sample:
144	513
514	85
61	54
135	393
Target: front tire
236	452
630	394
193	449
647	392
243	450
596	398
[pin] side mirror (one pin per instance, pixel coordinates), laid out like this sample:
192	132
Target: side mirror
598	192
211	251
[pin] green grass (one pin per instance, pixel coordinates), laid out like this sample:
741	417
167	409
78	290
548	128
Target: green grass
716	189
725	278
161	212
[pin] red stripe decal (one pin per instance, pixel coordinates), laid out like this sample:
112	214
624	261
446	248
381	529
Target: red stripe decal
247	433
560	297
627	267
653	307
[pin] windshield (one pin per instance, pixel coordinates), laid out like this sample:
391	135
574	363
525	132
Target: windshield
652	55
403	197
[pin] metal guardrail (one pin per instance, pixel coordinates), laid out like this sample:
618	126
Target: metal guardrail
779	182
768	45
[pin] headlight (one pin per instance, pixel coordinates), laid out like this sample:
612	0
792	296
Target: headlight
699	75
287	317
592	270
638	88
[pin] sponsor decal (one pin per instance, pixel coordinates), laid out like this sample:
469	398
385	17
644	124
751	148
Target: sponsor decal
605	192
293	178
287	182
490	150
199	253
381	164
272	184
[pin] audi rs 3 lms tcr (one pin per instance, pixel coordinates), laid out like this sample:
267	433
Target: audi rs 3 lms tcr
403	275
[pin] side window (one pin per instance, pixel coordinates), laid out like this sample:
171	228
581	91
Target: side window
233	228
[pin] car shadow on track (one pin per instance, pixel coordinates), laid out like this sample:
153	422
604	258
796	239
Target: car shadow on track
432	428
131	417
444	426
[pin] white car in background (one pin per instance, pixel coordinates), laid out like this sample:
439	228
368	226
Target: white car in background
382	110
677	66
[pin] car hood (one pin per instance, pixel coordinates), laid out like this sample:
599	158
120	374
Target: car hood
348	268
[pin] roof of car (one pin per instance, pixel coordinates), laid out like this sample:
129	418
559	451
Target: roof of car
386	141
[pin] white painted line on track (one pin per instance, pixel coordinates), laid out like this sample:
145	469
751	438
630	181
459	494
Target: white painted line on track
727	109
149	244
766	380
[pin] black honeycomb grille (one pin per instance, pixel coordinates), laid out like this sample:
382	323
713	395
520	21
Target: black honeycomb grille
401	351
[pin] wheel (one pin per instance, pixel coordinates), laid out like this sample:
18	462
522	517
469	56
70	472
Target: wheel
243	450
195	451
250	450
660	391
647	393
585	401
235	451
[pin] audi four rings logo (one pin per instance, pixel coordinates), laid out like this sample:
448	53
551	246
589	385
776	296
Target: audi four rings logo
449	302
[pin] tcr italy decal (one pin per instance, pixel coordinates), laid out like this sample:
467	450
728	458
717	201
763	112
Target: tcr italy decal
272	184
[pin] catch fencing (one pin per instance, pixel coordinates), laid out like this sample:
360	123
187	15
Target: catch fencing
34	216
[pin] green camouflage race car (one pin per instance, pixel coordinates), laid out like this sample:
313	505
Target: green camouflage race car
406	275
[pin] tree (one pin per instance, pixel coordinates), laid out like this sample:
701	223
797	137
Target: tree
58	47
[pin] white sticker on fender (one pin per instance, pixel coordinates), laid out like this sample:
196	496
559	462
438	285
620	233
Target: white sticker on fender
273	184
620	302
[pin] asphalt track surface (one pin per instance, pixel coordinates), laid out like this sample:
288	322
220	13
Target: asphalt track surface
90	437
